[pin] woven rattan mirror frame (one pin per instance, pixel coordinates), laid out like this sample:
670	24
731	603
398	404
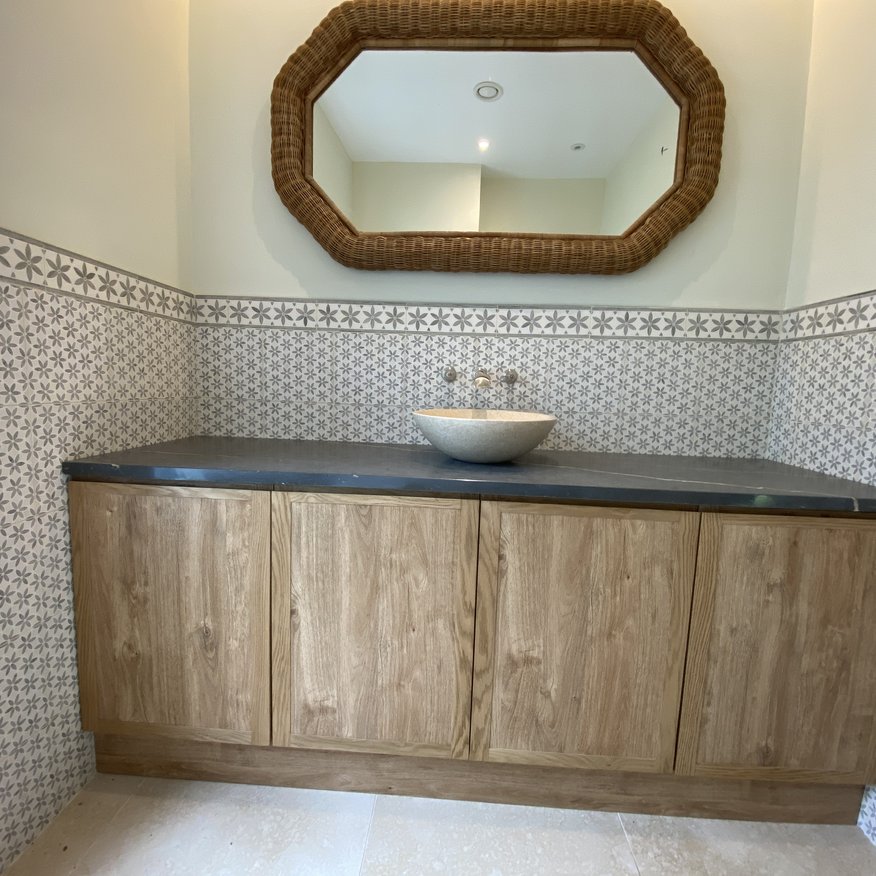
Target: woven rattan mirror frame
643	26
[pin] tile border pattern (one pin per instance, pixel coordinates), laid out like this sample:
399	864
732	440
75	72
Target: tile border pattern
31	262
28	262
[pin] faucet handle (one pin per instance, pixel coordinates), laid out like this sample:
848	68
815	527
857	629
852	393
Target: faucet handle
510	376
449	374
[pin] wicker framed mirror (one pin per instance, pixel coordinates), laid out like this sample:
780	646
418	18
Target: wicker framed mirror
537	31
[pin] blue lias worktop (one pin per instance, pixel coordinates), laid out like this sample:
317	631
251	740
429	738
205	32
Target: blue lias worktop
616	478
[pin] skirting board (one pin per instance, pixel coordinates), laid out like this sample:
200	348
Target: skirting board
486	782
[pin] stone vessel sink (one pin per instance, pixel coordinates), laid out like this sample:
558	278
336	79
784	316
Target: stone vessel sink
476	435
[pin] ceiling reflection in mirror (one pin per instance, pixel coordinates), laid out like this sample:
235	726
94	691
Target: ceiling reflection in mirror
576	142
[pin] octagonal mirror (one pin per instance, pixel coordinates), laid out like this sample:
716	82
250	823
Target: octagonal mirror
580	143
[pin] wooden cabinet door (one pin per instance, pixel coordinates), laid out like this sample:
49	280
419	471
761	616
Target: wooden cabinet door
172	588
373	616
781	678
582	621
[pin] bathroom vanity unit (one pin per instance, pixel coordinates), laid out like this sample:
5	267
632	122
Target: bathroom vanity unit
654	634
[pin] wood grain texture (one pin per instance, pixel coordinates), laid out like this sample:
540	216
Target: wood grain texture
581	634
870	771
172	610
473	780
781	682
485	631
373	616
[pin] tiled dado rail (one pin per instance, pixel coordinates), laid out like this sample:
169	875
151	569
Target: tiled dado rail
94	359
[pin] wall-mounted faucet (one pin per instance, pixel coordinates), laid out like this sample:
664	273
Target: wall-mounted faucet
482	378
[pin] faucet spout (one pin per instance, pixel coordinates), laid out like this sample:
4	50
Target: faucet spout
482	379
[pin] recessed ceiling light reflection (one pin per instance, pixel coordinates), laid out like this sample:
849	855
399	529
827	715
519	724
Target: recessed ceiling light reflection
483	144
488	90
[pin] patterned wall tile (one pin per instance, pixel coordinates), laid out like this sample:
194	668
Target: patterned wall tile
824	409
668	397
15	366
867	818
77	376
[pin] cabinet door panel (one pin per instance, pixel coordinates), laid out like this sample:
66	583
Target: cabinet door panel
781	680
581	634
172	610
373	616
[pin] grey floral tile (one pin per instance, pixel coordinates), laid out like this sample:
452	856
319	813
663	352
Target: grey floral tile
867	819
68	348
15	365
669	396
231	363
301	365
79	374
824	406
597	322
27	261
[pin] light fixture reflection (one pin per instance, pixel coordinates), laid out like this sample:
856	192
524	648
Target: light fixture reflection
483	144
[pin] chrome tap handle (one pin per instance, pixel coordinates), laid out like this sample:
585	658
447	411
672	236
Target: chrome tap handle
510	377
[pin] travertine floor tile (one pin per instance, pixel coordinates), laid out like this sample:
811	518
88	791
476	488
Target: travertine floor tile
128	825
694	846
416	836
215	828
211	828
63	843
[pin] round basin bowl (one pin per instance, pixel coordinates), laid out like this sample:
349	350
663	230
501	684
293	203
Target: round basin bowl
476	435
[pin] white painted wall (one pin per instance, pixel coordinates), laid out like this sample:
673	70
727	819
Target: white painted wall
94	148
94	154
835	234
735	255
391	196
643	173
542	206
332	167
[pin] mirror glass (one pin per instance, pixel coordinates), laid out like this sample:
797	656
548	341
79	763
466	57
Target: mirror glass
564	142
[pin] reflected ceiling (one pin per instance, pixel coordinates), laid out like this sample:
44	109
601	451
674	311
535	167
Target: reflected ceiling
420	106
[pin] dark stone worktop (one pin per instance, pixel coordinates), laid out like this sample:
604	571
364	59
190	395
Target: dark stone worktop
597	477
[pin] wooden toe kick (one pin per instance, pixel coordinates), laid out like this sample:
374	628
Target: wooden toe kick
480	781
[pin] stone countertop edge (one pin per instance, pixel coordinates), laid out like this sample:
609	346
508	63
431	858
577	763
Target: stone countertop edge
415	469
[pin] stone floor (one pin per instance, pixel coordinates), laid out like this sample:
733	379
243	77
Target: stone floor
128	825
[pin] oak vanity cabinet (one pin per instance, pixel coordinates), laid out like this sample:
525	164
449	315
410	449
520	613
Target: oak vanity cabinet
527	636
582	622
172	601
372	622
781	679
